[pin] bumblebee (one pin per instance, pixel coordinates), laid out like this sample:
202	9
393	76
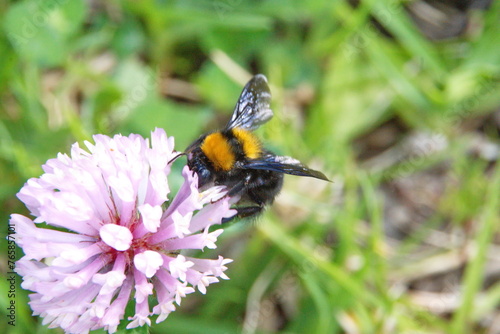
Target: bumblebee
235	157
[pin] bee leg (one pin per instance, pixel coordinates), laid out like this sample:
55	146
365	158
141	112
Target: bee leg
245	211
237	188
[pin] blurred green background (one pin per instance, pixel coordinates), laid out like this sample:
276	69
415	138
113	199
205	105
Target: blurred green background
396	101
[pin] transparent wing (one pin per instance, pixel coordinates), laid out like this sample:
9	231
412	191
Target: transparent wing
283	164
253	107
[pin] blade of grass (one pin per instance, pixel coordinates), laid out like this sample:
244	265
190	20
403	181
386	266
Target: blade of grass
376	237
487	303
300	254
322	302
405	31
474	273
354	21
385	60
482	53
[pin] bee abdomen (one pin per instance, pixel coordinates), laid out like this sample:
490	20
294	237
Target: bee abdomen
248	143
224	149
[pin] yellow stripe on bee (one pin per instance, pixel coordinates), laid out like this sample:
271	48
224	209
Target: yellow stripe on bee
218	151
250	143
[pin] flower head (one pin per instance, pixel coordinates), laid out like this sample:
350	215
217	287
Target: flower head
118	237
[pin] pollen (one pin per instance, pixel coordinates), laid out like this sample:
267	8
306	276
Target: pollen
250	143
218	151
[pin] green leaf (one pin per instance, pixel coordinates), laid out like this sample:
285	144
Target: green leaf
39	31
185	123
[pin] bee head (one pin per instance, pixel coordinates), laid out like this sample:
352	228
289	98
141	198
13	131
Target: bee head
198	163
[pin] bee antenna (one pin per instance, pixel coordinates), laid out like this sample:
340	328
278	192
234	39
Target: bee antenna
177	156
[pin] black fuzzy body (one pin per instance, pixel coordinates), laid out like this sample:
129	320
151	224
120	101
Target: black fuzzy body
256	187
256	178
